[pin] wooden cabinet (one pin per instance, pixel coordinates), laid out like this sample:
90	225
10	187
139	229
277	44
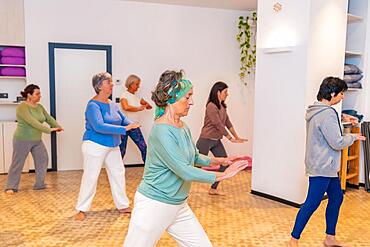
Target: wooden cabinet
350	163
2	165
8	131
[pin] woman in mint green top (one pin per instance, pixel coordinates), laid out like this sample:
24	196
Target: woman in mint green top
167	178
161	199
27	138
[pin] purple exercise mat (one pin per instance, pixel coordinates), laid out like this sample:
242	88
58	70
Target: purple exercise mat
13	52
13	60
13	71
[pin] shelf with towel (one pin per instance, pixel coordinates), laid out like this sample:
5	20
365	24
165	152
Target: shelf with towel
12	65
9	103
353	18
12	77
353	54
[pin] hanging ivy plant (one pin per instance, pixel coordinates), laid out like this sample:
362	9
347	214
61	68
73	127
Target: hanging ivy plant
247	44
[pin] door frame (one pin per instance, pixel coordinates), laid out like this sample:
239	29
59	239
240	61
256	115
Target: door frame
52	47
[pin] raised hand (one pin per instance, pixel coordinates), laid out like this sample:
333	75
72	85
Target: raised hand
360	137
57	129
132	126
236	140
233	169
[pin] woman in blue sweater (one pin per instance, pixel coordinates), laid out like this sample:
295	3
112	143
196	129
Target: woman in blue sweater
161	199
104	126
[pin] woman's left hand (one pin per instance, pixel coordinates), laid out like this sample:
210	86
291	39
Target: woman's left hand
232	170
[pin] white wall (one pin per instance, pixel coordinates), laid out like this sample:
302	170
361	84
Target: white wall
11	22
147	39
286	83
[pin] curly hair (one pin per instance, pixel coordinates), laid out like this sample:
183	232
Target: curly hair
168	80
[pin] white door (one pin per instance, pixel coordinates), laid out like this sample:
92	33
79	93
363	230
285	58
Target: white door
74	69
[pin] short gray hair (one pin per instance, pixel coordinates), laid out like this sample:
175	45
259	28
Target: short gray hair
131	79
98	79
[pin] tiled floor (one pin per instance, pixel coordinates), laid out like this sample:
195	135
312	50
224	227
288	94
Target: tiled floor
45	218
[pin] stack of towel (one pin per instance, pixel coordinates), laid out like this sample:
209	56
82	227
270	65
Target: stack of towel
13	56
352	76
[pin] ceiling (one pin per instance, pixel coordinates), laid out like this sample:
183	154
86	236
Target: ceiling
220	4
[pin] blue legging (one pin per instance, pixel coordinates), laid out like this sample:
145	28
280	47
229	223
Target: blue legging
317	188
138	139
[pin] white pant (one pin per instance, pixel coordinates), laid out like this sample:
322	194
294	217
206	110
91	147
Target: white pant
150	218
94	156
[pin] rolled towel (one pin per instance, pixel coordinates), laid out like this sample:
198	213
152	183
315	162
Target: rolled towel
13	52
351	69
13	71
354	85
352	78
13	60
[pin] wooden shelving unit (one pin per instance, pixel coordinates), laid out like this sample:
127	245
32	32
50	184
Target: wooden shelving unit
12	65
13	77
350	163
353	54
11	85
9	103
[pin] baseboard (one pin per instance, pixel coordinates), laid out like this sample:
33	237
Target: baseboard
277	199
33	170
126	166
353	186
134	165
363	185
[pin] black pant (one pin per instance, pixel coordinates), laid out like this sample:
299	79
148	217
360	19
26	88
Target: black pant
217	149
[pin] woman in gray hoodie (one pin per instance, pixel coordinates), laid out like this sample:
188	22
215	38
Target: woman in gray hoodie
324	143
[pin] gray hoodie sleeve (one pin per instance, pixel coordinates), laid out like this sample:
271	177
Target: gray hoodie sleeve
330	130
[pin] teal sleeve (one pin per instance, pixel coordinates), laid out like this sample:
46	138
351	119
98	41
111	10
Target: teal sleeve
173	157
201	159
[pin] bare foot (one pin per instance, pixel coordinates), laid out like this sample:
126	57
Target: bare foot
124	210
215	192
330	241
42	187
292	243
80	216
334	244
10	192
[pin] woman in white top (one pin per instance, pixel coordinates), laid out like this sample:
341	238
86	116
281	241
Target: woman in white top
132	104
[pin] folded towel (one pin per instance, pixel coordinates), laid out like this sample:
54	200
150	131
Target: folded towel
13	60
13	52
12	71
354	85
352	78
354	113
351	69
